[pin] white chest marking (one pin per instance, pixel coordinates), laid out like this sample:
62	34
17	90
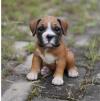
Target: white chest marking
48	58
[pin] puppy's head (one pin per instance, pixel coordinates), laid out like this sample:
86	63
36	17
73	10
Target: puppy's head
49	31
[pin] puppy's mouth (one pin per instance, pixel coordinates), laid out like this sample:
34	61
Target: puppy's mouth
49	45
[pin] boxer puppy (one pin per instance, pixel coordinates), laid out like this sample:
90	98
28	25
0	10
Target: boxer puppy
51	53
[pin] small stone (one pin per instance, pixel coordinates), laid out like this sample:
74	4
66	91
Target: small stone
92	93
97	79
25	67
82	41
19	47
17	92
98	75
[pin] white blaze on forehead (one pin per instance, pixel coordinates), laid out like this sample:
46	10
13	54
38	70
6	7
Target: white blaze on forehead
48	31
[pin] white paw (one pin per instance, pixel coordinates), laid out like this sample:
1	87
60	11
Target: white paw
32	76
57	80
45	71
73	72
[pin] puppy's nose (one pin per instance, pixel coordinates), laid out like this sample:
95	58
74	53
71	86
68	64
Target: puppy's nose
49	37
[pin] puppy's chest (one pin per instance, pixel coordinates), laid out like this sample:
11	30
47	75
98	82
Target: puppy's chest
48	58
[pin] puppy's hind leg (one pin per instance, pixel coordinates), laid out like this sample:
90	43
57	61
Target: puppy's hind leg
45	71
72	69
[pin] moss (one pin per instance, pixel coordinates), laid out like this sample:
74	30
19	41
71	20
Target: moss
85	83
30	47
34	92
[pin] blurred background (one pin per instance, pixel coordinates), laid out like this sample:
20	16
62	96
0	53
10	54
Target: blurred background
17	41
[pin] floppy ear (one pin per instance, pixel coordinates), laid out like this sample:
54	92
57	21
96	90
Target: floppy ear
64	25
33	25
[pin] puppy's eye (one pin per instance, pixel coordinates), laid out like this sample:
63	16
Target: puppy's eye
57	29
41	29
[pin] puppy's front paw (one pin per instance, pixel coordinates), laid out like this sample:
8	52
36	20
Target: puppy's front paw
32	76
73	72
57	80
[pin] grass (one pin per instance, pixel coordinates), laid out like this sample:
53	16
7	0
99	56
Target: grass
78	28
7	49
34	93
6	72
21	10
82	24
85	84
92	53
9	54
56	2
10	34
80	13
70	41
30	47
71	8
36	89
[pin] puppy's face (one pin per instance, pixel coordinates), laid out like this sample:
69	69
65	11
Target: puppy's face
49	31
